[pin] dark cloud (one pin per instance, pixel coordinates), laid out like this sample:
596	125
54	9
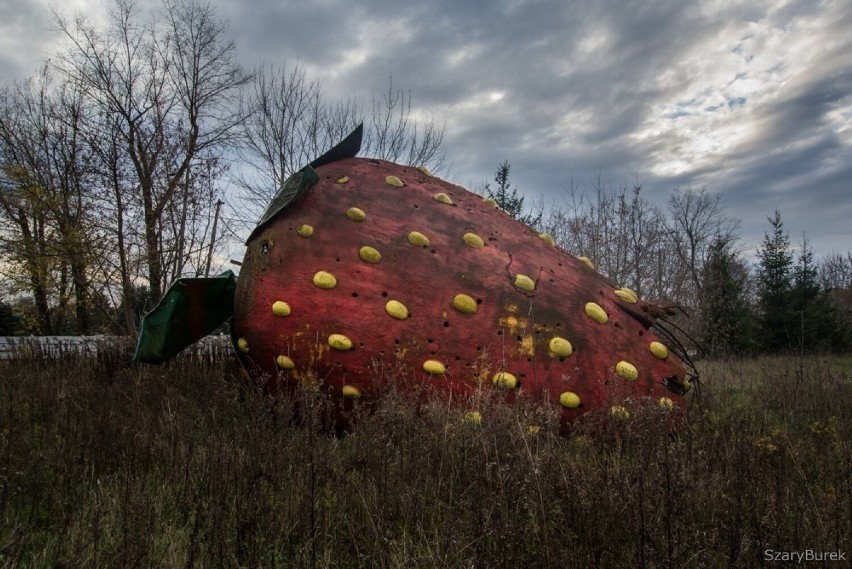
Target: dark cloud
749	99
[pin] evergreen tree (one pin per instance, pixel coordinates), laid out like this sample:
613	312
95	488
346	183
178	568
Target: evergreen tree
820	325
10	323
507	197
804	299
725	312
774	280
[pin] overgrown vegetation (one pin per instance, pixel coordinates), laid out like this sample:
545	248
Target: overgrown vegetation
182	465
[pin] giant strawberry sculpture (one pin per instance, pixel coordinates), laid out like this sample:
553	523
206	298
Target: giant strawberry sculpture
361	267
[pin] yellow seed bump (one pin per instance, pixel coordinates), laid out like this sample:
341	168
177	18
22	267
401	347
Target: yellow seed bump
396	309
504	380
280	308
464	304
473	417
626	370
627	295
474	240
569	400
305	230
490	202
340	342
356	214
443	198
658	350
424	169
524	283
619	413
666	403
351	392
547	239
343	179
561	347
369	254
242	345
417	238
586	261
434	367
596	313
324	279
284	362
394	181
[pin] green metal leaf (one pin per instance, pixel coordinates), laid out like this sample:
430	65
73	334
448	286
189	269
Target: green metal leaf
299	183
190	309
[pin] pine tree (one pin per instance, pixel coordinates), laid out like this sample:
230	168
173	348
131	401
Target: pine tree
725	312
820	325
774	280
507	197
804	299
9	321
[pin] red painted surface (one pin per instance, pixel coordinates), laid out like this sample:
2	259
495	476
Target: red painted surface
510	330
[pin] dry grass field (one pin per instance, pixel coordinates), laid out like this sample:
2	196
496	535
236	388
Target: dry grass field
105	465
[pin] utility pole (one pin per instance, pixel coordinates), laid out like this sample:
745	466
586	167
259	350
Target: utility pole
212	238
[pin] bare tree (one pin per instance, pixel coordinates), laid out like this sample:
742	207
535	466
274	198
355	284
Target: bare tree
835	271
48	169
393	135
835	277
619	230
170	88
696	219
289	123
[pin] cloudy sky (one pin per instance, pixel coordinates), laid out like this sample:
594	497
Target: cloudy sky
751	99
